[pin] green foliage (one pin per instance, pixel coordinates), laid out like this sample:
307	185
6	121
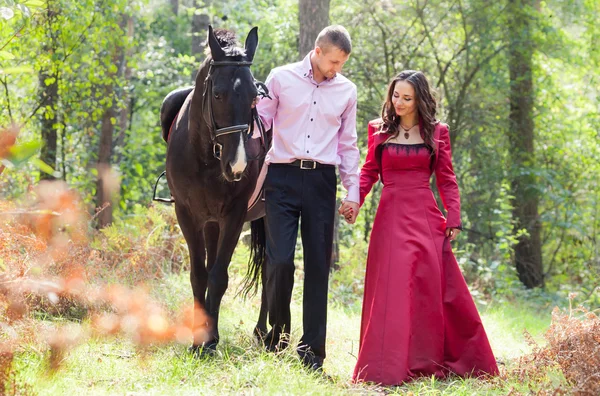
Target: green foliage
278	27
98	60
460	47
143	245
348	280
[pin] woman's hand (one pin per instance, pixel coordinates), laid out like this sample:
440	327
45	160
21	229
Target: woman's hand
452	233
349	210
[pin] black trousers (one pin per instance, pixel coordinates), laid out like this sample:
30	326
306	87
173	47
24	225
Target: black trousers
294	194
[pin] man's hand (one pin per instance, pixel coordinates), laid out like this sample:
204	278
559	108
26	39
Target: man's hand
349	210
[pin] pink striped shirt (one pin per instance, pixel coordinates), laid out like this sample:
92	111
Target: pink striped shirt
313	121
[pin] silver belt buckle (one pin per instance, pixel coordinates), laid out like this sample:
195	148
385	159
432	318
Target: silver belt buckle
314	164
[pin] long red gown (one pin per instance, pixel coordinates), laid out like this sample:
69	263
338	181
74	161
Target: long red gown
418	317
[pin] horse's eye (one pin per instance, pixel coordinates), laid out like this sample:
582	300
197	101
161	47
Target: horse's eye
217	96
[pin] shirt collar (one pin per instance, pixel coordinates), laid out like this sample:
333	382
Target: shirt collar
307	69
306	66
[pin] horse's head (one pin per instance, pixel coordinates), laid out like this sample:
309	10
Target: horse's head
229	96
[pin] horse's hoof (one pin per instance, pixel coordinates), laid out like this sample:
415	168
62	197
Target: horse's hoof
260	334
203	351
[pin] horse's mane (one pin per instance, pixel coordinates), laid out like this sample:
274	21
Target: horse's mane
228	42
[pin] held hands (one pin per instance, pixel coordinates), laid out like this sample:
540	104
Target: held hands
349	210
452	233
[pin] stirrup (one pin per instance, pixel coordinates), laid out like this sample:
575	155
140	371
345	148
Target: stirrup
159	199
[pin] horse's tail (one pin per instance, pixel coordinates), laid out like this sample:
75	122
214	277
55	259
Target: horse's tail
258	253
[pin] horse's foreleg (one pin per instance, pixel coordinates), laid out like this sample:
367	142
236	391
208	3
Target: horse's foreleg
194	237
211	238
218	279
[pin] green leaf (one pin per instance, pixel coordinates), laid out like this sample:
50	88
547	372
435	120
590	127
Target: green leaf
139	169
5	55
21	153
44	167
24	9
16	69
34	3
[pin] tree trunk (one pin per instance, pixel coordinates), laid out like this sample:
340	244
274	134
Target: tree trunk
313	17
528	251
199	31
200	22
125	113
107	184
48	120
48	80
175	6
104	182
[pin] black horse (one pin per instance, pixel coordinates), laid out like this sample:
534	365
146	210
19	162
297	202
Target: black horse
212	170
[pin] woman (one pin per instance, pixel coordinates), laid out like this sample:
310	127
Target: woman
418	316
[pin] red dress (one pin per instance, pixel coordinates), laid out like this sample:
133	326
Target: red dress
418	317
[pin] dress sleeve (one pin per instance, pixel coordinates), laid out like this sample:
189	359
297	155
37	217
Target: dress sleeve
369	173
446	179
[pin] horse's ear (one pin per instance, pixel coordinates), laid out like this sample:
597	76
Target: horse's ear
215	48
251	43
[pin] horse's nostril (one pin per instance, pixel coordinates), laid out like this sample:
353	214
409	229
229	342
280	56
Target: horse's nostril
238	167
235	175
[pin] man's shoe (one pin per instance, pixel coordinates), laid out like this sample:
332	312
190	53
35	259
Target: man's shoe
317	368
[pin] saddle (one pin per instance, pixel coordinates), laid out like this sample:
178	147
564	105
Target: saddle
257	148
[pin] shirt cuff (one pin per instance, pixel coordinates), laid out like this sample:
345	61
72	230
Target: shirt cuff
353	195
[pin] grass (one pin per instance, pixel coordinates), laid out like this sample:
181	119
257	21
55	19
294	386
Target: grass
115	366
99	366
506	323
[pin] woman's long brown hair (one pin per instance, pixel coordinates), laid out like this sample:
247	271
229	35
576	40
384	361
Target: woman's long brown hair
426	107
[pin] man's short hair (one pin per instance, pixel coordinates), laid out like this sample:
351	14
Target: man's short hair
334	36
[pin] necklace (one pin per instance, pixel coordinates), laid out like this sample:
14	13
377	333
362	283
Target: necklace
406	130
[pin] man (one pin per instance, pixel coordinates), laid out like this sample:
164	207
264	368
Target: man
313	116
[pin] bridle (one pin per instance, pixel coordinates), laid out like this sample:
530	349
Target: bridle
244	129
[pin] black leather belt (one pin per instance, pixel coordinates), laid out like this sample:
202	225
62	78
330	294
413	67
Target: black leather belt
304	164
